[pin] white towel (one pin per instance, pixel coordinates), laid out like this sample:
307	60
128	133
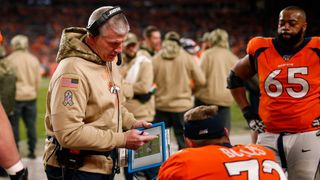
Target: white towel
134	70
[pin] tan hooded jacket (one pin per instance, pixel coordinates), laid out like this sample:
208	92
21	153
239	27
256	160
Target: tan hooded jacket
142	85
7	85
27	69
82	113
216	64
174	71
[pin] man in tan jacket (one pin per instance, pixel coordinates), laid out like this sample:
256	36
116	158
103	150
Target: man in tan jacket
85	117
151	43
137	70
27	69
216	63
174	73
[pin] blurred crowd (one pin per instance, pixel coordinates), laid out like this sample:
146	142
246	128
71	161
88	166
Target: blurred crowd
44	24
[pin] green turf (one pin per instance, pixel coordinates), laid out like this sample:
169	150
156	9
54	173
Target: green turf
237	123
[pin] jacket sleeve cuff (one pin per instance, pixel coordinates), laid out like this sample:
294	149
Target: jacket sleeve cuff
121	140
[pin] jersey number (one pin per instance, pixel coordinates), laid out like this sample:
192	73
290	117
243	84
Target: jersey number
252	168
272	81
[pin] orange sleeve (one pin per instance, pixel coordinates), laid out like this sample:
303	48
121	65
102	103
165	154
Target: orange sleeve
254	44
171	169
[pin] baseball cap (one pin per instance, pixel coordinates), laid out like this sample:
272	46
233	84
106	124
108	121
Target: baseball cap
131	39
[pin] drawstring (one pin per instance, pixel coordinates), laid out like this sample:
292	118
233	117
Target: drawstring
281	151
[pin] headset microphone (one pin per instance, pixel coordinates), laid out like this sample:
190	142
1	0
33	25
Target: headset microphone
119	59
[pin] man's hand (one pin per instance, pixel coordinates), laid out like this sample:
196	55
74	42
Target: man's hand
142	124
136	138
253	120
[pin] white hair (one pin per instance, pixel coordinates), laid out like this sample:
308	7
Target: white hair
118	23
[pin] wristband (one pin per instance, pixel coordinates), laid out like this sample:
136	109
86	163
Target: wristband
15	168
248	113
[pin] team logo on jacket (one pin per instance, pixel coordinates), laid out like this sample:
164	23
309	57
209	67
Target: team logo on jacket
68	98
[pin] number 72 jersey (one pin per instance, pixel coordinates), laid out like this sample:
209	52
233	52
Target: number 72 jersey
289	84
240	162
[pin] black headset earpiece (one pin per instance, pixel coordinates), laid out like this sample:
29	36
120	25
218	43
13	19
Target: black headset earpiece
94	27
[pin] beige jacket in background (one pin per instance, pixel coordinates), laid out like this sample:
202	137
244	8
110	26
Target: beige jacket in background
173	78
216	64
27	69
81	111
141	111
145	51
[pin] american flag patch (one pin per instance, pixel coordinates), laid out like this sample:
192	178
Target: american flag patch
70	82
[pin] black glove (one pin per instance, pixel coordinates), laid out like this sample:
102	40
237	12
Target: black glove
143	98
253	120
21	175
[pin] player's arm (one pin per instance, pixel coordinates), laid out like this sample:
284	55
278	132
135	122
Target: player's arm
243	71
8	149
9	155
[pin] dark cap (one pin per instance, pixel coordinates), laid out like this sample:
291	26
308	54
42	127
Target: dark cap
202	122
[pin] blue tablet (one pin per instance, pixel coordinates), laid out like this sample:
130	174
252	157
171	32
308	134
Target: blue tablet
150	155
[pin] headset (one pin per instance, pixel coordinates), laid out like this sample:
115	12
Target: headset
94	27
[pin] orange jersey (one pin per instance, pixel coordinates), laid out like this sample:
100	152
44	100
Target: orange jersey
289	84
241	162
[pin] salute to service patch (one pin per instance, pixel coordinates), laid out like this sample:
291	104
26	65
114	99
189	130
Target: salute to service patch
68	98
70	82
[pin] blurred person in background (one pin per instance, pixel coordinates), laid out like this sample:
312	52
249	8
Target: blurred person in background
138	72
27	69
10	161
204	44
7	83
174	69
210	154
190	46
85	117
216	62
151	41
